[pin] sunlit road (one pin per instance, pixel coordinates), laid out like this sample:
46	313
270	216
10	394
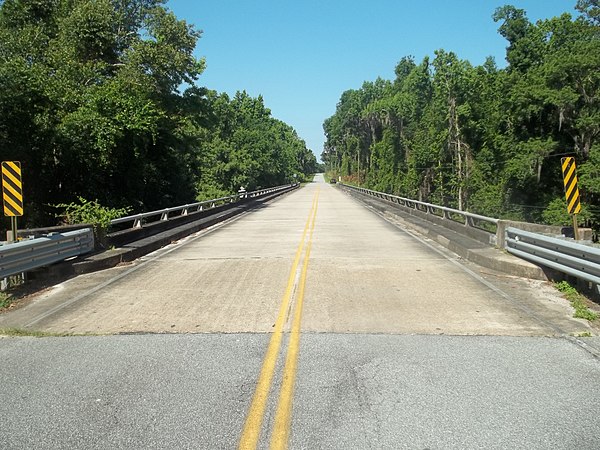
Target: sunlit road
309	323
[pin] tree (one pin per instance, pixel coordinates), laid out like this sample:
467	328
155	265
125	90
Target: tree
92	106
483	139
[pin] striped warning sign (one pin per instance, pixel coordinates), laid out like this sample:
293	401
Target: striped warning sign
12	190
571	189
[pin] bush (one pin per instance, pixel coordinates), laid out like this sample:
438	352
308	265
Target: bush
556	213
93	213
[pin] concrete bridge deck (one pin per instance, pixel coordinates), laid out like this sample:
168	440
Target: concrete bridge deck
310	322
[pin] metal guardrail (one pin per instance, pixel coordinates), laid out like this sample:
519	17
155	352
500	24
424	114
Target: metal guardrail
580	261
26	255
23	256
568	257
467	218
139	220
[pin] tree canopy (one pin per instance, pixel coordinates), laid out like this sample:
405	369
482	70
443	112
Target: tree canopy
482	138
100	100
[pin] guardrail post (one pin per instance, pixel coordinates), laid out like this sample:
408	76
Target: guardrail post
501	231
164	216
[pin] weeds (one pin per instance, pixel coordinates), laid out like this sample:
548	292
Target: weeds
20	332
577	301
5	300
93	213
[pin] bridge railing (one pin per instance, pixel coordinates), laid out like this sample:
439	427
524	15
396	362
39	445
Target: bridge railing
44	246
139	220
527	242
24	256
471	220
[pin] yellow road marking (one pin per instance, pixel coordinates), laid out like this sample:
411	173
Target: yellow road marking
252	426
283	416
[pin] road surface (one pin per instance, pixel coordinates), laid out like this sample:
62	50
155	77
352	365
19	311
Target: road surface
311	322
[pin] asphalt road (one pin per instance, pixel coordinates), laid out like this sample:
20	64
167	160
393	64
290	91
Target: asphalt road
309	323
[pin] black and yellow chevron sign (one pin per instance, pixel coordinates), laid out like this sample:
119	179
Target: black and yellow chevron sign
12	190
571	189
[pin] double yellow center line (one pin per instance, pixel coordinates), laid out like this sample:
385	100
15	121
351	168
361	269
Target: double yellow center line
281	428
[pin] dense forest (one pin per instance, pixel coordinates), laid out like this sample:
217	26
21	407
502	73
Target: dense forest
99	100
481	138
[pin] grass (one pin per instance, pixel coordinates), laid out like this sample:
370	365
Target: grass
578	301
5	300
20	332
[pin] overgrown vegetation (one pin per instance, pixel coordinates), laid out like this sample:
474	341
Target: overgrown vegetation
7	296
577	301
6	300
89	211
482	138
99	100
93	213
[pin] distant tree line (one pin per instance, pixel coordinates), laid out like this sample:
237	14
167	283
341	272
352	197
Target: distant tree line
480	138
91	104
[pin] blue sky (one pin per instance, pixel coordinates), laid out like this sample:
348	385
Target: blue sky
301	55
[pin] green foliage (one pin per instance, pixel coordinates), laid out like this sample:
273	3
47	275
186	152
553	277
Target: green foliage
556	213
91	105
246	146
483	139
565	288
210	192
5	300
90	212
21	332
6	297
589	184
577	301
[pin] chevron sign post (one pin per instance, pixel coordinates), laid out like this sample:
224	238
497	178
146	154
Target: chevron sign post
571	191
12	193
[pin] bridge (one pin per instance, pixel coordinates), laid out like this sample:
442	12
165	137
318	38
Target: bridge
316	320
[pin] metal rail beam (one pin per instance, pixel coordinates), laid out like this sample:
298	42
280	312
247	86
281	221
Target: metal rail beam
580	261
139	220
24	256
